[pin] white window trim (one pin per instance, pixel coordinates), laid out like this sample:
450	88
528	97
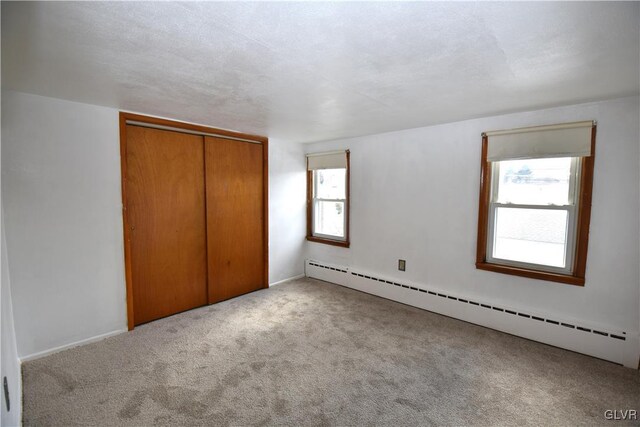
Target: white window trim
572	220
314	205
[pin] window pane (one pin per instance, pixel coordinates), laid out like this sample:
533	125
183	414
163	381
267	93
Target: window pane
535	236
535	181
330	183
329	218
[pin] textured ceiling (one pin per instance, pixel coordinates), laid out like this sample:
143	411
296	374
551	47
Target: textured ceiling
315	71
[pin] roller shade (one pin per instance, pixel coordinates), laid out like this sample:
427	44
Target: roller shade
563	140
332	160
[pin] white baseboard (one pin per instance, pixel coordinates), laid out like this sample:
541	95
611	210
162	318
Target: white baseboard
279	282
44	353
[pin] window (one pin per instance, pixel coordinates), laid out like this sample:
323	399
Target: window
328	198
535	201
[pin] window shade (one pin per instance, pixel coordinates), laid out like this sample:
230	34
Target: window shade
563	140
332	160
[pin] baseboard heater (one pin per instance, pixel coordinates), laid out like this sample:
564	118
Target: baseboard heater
612	345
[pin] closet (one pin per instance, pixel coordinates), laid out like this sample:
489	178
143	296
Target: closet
195	215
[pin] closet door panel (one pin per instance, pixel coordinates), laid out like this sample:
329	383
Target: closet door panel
166	215
235	217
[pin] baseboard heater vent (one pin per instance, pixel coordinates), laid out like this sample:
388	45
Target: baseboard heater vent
493	307
327	267
616	346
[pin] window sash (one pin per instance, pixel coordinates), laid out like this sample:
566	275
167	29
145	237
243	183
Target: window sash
570	208
574	181
315	203
570	238
320	199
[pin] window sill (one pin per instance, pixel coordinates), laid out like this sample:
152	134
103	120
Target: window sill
532	274
341	243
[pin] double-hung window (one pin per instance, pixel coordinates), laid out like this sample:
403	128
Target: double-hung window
328	198
535	201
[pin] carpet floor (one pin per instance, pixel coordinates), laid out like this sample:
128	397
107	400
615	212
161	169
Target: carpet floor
312	353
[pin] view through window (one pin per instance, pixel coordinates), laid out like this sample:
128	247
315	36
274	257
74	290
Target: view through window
329	198
533	211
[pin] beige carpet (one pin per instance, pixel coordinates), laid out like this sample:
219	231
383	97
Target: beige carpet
313	353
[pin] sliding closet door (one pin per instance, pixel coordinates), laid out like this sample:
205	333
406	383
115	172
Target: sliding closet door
166	215
235	217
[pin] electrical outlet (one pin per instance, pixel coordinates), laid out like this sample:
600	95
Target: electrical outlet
402	265
6	394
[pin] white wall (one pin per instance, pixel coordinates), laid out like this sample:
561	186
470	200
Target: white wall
9	361
61	194
9	356
287	209
61	189
415	197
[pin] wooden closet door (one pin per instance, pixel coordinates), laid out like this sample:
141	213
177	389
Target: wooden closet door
166	214
235	217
